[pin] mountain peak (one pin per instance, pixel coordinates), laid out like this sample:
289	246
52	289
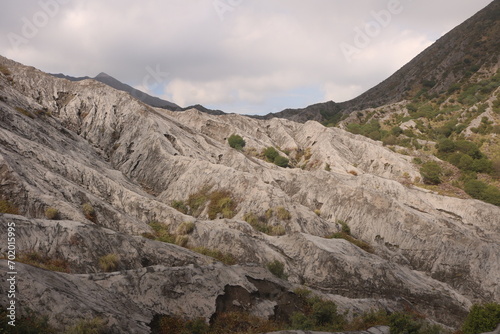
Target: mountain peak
103	75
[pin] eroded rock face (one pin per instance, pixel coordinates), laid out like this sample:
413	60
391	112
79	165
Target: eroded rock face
65	143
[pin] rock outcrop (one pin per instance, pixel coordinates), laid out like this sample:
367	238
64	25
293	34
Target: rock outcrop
64	144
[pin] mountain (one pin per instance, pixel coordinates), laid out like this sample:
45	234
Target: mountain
471	47
138	219
116	84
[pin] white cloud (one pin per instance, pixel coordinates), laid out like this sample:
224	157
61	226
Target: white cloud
258	55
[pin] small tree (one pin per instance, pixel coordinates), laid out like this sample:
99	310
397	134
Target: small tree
482	318
281	161
236	142
431	172
277	268
270	153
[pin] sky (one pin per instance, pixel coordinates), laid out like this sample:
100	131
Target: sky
242	56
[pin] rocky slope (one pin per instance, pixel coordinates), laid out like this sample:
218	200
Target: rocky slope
65	144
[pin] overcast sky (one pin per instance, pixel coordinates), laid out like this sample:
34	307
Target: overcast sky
244	56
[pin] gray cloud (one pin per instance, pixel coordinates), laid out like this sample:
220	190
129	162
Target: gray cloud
242	56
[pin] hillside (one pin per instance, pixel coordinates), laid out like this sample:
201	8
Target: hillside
135	217
442	109
450	61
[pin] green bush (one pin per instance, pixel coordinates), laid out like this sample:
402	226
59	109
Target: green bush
8	207
431	172
277	268
89	212
109	262
299	320
270	153
446	145
236	142
482	318
225	258
324	312
318	314
282	213
160	233
401	323
281	161
196	202
345	228
52	213
221	202
41	261
260	224
179	206
480	190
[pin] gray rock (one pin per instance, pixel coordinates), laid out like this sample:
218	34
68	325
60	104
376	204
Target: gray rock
431	253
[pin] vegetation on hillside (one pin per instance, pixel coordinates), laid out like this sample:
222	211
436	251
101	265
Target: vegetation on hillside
460	126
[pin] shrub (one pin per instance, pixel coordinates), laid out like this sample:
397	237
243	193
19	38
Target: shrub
225	258
221	202
356	242
482	165
281	161
89	212
160	233
431	172
260	224
482	191
181	240
37	260
52	213
8	207
482	318
469	148
109	262
88	326
185	228
301	321
345	228
318	314
196	202
278	230
465	162
282	213
270	153
446	145
324	312
277	268
401	323
236	142
396	131
179	206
